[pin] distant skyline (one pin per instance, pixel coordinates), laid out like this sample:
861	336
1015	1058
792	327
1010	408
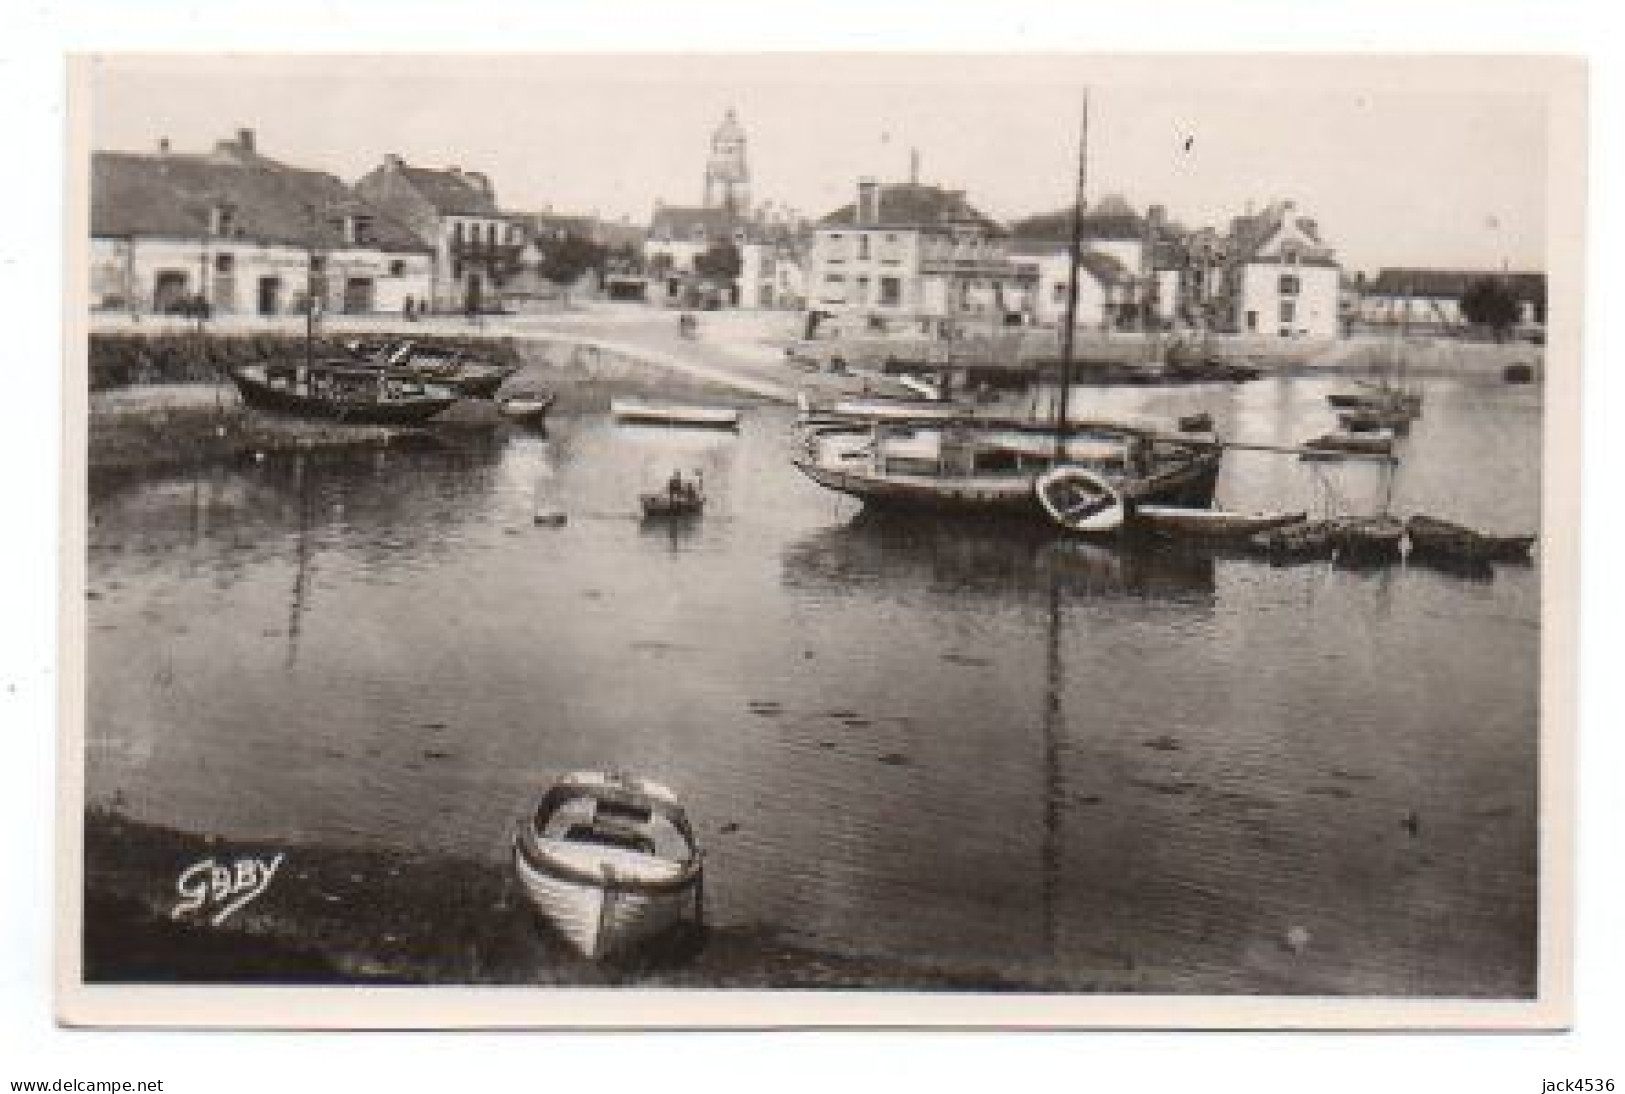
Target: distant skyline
1435	162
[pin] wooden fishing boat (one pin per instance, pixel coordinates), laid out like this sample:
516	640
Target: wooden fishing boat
1080	500
526	407
994	468
609	861
1301	542
675	414
1210	524
342	391
1376	443
1196	423
1434	538
470	376
1368	539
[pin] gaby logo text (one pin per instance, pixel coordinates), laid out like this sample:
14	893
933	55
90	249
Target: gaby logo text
217	889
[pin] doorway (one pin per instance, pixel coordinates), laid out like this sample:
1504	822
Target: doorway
358	295
270	295
472	293
169	291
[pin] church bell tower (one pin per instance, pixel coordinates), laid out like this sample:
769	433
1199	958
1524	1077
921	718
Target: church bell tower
727	177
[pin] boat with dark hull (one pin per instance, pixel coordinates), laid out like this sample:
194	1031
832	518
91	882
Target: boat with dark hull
341	391
1432	538
1209	524
994	469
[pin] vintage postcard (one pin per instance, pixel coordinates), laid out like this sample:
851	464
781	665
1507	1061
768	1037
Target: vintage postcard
820	539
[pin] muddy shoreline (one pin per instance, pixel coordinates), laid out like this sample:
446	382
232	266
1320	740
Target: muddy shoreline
335	915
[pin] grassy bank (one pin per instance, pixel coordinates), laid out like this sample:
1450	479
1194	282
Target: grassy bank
347	915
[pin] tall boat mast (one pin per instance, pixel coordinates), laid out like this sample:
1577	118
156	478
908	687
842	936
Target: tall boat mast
1075	258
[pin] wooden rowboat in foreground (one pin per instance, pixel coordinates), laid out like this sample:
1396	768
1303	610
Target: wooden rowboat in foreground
609	860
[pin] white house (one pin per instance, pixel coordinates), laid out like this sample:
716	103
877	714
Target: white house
454	213
1282	278
244	234
912	252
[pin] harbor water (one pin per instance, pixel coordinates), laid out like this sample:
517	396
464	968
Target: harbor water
982	749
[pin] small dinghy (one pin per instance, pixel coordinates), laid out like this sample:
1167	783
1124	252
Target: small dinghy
609	861
681	498
526	407
1080	500
1211	524
1201	422
678	414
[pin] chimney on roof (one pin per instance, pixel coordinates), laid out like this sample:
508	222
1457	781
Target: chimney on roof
455	170
393	162
245	139
913	166
1157	214
163	146
868	211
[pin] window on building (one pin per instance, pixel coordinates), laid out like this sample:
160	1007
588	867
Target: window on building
457	232
397	268
863	247
222	264
1291	285
318	263
891	292
1060	292
1289	311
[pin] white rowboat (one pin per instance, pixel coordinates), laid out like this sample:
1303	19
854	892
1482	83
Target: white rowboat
609	861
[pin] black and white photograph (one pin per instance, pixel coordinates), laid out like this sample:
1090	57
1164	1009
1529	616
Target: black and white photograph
1043	539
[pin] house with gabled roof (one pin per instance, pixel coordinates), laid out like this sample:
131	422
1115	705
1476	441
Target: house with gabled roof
1281	277
1130	266
912	251
236	232
454	212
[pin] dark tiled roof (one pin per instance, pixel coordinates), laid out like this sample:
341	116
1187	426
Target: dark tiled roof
452	193
172	196
681	222
1102	224
913	205
1104	268
1249	234
1402	281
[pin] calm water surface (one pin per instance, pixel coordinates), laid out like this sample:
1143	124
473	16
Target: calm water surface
969	747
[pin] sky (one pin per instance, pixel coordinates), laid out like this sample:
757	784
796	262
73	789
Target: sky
1419	161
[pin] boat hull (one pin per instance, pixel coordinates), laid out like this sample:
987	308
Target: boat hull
1186	523
690	416
526	409
1191	484
262	396
599	920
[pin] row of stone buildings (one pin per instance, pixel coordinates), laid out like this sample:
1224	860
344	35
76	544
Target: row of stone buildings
235	231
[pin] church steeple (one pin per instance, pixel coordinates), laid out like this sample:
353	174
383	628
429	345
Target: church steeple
727	176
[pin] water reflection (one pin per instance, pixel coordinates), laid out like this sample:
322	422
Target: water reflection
903	555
